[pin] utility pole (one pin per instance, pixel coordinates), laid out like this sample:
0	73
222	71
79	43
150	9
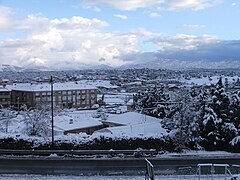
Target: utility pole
51	82
18	104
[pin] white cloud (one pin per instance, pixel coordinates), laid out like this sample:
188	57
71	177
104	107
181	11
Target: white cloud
154	14
158	4
93	8
66	42
141	32
191	4
183	41
192	26
6	20
38	23
234	4
120	16
125	4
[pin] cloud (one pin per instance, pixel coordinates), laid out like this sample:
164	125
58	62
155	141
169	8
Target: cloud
125	4
39	23
192	26
191	4
93	8
6	18
221	53
141	32
66	42
154	14
120	16
182	41
158	4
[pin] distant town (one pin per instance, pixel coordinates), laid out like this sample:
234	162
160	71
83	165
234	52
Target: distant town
130	103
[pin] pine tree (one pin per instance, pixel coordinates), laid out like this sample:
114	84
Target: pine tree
218	127
152	101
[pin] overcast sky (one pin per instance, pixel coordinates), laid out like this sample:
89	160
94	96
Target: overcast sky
60	33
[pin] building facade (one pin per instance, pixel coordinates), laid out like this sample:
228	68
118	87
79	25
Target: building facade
65	95
5	97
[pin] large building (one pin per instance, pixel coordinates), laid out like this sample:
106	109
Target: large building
5	96
65	95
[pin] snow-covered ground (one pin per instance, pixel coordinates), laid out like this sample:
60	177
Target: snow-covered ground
210	80
63	177
133	124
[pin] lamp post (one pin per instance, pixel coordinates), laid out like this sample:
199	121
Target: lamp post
51	82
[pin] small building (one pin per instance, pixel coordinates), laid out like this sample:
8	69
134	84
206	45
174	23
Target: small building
173	88
130	105
5	82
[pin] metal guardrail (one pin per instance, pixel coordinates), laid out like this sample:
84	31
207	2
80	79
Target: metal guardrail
135	153
227	172
149	170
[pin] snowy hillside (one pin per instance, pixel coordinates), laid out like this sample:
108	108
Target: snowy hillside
185	64
5	67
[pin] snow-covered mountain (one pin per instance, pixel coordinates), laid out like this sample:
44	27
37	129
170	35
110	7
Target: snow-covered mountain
6	67
10	68
181	65
33	68
173	64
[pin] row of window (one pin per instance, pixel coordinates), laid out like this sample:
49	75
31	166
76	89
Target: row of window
5	93
64	98
78	92
75	103
4	99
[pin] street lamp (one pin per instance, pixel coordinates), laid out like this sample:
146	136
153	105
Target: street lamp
51	82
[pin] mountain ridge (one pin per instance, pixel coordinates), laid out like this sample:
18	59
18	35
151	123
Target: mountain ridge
171	64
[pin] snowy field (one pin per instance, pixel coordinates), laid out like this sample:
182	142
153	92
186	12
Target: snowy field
62	177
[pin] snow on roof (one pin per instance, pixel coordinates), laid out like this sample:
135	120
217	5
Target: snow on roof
4	89
77	85
115	98
79	120
137	130
5	80
99	83
47	87
131	118
130	102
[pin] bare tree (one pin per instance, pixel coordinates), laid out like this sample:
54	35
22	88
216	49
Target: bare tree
6	116
36	122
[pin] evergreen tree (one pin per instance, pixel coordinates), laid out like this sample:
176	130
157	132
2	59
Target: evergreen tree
152	102
218	127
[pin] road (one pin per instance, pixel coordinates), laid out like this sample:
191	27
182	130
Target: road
107	166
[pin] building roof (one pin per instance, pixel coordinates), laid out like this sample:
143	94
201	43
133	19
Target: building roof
131	118
80	119
77	85
42	87
63	123
137	130
3	89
